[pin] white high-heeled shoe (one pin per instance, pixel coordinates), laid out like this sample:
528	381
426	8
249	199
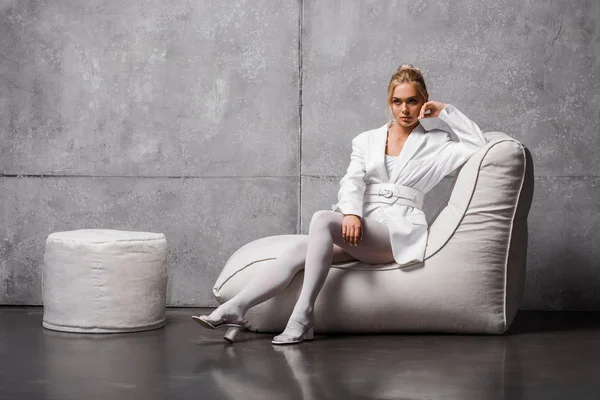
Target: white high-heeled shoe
301	333
234	327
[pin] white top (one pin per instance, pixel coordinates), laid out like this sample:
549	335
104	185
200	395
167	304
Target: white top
390	161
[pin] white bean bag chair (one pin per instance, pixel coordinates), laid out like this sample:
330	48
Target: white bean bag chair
102	280
470	282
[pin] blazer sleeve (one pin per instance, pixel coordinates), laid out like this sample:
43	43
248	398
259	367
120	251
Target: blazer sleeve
470	139
352	185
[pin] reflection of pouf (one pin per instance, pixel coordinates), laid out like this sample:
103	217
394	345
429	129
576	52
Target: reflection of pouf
100	281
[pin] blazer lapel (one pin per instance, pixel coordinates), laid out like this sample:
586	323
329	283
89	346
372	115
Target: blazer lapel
378	146
412	144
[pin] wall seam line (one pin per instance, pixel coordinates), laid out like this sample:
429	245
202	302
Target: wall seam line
300	82
149	176
235	176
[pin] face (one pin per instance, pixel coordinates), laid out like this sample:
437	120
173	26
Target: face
406	104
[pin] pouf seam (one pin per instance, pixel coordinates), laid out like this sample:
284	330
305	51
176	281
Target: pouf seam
102	329
107	241
96	275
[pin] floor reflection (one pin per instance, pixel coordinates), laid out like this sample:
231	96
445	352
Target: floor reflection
545	356
116	365
366	367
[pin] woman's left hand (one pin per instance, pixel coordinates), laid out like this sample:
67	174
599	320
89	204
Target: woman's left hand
435	108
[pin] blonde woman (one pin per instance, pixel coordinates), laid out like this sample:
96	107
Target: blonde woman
378	217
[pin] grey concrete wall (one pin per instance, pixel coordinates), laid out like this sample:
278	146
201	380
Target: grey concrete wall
167	116
184	117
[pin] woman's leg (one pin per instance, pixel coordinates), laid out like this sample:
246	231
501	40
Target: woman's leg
326	230
263	287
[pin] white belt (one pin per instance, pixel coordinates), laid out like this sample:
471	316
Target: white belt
391	193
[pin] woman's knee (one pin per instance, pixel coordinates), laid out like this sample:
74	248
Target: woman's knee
324	219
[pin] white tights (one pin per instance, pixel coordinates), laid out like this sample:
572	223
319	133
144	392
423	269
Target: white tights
323	246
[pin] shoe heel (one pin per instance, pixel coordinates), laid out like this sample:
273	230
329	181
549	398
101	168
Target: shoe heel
231	334
310	335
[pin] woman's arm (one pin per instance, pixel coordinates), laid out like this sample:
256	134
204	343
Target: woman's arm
453	154
470	137
352	185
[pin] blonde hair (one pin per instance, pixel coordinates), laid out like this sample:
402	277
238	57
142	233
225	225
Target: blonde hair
406	73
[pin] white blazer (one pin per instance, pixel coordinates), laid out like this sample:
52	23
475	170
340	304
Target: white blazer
426	158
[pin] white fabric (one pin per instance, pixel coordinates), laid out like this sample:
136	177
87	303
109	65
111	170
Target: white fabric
471	280
390	161
426	158
101	280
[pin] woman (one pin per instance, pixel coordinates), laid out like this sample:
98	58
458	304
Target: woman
378	218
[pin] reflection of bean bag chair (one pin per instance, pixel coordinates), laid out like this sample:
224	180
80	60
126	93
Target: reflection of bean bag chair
472	278
421	367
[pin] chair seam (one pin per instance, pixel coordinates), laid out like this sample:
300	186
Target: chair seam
512	222
241	269
471	196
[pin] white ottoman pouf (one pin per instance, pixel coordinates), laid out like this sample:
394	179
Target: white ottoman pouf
471	281
102	280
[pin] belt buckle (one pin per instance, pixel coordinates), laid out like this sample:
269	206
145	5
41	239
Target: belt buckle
387	193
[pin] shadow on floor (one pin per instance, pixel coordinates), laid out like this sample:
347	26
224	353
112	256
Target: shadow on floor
555	321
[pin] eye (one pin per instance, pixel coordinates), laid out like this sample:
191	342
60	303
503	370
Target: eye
396	101
412	101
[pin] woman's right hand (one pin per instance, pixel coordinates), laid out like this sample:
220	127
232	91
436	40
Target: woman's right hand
351	229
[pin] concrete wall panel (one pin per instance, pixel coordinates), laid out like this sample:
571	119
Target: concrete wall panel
564	245
204	220
530	69
161	88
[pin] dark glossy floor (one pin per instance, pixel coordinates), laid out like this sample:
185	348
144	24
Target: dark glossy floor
544	356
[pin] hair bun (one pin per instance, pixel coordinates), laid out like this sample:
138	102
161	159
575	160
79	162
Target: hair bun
407	67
